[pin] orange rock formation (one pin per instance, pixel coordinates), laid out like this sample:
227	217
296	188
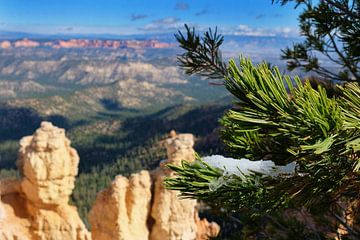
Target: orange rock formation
39	200
130	201
121	211
26	43
5	44
139	207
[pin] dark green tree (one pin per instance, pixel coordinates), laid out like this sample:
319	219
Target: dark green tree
331	29
283	119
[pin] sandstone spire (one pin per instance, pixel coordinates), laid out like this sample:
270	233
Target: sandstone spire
174	218
121	211
177	218
48	166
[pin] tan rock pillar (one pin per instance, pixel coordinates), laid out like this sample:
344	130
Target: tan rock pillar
121	211
174	218
177	218
48	166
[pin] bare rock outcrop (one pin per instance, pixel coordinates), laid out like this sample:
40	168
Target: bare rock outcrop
177	218
26	43
86	43
35	206
121	211
206	229
48	166
174	217
142	208
14	217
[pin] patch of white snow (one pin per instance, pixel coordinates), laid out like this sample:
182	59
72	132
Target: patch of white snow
244	166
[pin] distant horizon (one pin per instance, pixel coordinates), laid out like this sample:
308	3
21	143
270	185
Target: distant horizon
11	35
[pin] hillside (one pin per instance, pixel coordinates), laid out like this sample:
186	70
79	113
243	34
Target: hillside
113	146
85	82
91	85
115	104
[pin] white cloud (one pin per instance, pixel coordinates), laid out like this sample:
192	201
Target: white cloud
287	31
181	6
167	24
135	17
167	21
245	30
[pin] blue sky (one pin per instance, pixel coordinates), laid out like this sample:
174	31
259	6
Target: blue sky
238	17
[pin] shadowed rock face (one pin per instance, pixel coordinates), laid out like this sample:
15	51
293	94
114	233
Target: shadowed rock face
139	207
14	217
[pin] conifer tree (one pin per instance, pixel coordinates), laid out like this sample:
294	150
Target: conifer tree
282	119
331	30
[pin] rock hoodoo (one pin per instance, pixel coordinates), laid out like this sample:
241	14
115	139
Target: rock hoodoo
139	207
121	211
129	210
48	166
174	218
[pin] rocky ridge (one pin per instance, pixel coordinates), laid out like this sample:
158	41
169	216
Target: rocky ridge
139	207
85	43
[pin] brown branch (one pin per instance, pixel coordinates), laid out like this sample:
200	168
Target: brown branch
347	64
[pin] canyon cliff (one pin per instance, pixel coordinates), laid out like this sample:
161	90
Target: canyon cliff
85	43
36	206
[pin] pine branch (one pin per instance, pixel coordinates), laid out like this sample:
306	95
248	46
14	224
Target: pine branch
282	117
270	123
202	54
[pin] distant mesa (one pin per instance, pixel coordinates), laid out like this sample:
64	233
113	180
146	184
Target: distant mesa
26	43
5	44
85	43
